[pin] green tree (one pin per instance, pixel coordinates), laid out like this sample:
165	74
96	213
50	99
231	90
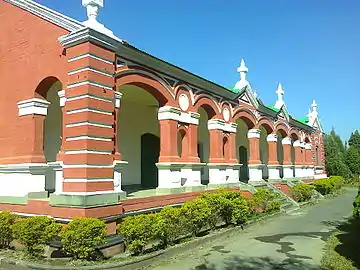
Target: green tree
352	159
355	140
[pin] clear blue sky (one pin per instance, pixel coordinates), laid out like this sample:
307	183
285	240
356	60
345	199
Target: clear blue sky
311	47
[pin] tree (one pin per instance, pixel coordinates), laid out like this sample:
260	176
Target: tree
355	140
352	159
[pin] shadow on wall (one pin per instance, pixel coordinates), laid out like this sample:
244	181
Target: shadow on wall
264	263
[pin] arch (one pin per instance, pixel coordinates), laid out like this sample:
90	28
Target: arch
182	142
306	139
247	116
148	81
266	124
44	86
294	135
282	128
183	88
208	105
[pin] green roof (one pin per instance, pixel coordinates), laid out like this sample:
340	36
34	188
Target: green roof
303	120
232	89
273	108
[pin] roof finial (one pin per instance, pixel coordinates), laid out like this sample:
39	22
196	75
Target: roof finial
242	69
92	8
280	92
314	106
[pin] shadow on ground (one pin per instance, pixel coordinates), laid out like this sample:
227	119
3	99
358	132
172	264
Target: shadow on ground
349	238
263	263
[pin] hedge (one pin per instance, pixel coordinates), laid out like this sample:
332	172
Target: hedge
205	212
302	192
329	185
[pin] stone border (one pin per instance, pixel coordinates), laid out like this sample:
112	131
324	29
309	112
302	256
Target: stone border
139	261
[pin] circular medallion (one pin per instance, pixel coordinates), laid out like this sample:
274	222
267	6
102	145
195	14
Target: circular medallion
226	114
184	102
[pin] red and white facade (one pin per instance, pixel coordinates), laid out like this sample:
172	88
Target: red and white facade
85	117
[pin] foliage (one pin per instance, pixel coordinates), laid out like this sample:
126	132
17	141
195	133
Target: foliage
264	201
328	185
6	221
332	260
197	214
354	140
302	192
240	211
352	159
356	206
34	232
138	231
81	237
168	225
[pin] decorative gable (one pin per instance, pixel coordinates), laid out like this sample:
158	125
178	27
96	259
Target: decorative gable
247	96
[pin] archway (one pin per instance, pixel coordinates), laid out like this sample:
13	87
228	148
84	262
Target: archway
138	137
242	146
48	89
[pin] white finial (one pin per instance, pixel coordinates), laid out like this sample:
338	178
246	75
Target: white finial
280	92
92	10
242	69
314	106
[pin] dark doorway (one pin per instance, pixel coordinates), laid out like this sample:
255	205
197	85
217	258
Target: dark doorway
244	169
150	150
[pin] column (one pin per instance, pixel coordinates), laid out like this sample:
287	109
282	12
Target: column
298	159
287	165
254	164
303	160
88	159
273	164
309	162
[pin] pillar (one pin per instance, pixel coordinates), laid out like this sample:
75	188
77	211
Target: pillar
298	159
288	168
254	164
273	164
309	162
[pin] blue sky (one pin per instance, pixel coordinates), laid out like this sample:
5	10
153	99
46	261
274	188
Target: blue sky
311	47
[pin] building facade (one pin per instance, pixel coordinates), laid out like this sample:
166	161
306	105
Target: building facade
88	119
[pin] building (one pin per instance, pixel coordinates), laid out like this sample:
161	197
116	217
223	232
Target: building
87	117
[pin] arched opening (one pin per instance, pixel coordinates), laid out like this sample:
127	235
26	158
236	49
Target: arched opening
52	133
281	134
225	148
242	146
181	143
206	113
138	137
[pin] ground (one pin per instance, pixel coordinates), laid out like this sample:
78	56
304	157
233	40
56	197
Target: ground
292	241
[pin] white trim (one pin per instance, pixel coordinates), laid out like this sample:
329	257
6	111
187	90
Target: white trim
62	97
254	133
77	166
117	96
286	141
85	180
297	143
87	123
31	106
85	137
172	113
308	146
220	124
88	96
91	56
272	138
90	83
48	14
88	193
88	110
79	152
89	69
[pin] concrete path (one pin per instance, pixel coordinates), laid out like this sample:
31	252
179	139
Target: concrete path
292	241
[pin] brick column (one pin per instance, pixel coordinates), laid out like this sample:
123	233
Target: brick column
193	155
168	141
254	164
288	168
216	140
272	150
298	159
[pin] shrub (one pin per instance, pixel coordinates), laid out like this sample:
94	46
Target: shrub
240	210
197	214
302	192
138	231
81	237
329	185
6	221
264	201
356	205
34	233
168	225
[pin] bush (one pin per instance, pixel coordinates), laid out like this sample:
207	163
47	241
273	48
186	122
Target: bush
6	221
197	214
168	225
240	210
34	233
302	192
264	201
81	237
138	231
356	205
329	185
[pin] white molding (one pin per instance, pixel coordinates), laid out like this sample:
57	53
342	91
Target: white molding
68	99
91	56
77	166
79	152
297	143
85	137
172	113
86	180
89	83
62	97
31	106
254	133
286	141
87	123
272	138
308	146
88	110
80	193
89	69
118	96
48	14
220	124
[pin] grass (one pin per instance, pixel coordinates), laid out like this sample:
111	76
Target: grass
341	251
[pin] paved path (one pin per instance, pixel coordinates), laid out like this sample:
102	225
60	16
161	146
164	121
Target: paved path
292	241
